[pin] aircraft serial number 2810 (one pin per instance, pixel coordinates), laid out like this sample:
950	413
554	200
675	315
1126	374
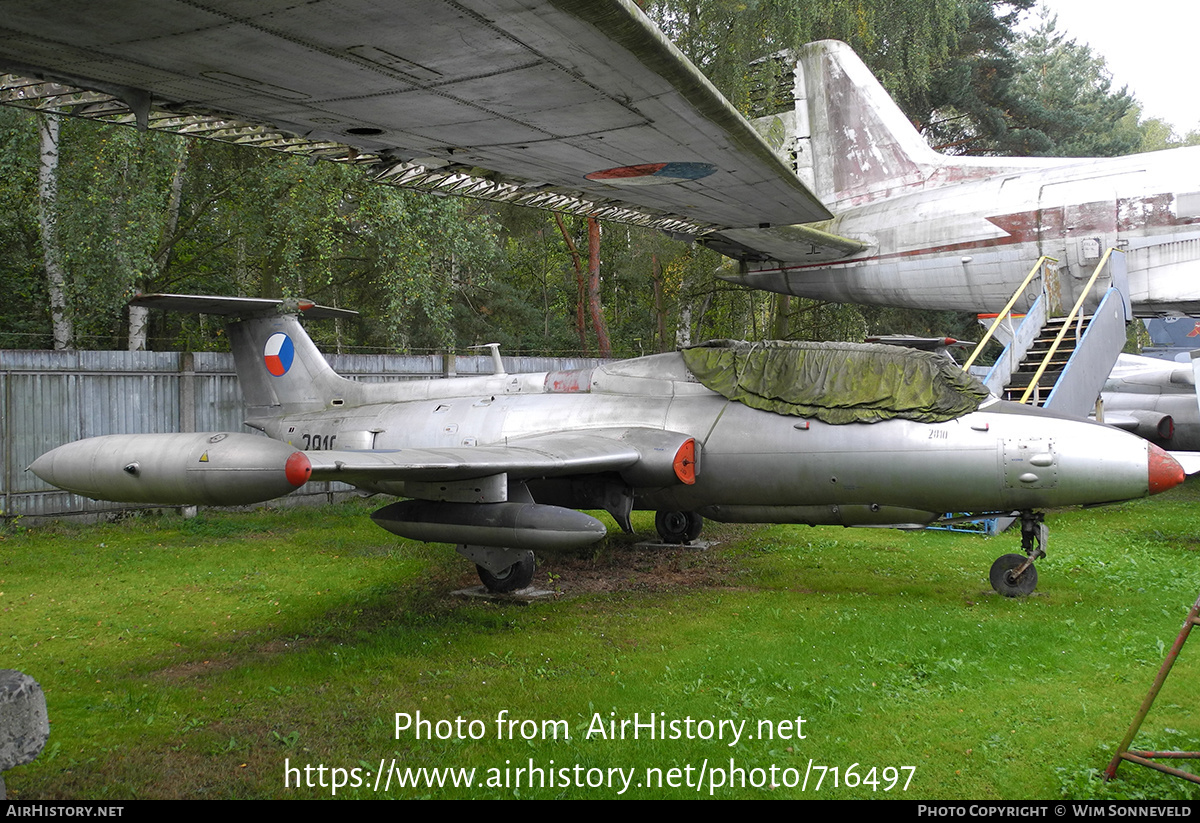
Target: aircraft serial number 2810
500	465
317	442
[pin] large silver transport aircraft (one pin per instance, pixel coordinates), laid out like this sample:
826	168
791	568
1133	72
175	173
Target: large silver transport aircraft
584	106
499	464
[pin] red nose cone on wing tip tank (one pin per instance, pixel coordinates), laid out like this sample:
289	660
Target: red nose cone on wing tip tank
1164	470
298	469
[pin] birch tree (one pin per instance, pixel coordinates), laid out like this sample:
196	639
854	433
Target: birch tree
48	220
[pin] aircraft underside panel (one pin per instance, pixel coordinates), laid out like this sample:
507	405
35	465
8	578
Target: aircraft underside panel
871	514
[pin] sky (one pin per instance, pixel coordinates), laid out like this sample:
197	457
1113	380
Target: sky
1149	45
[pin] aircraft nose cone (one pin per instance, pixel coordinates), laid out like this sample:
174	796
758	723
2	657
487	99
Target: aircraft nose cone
1164	470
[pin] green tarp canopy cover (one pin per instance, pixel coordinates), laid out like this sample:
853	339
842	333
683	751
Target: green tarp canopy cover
837	382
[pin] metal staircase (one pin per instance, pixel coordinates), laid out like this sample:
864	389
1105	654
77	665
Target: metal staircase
1026	373
1054	359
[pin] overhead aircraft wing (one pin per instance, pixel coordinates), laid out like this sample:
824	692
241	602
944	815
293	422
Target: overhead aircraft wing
574	105
669	457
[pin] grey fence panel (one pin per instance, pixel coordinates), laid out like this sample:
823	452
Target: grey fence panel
51	398
386	367
218	404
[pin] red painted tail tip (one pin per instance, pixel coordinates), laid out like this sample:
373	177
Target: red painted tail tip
1163	469
298	469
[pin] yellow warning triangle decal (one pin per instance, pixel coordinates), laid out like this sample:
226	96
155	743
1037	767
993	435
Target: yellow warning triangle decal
204	457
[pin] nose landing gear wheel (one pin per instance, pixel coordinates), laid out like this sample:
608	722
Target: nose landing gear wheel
1006	582
517	576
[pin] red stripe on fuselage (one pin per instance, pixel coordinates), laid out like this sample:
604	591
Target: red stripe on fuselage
1131	214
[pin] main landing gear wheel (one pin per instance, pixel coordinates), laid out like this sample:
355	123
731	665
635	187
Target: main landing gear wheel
678	527
1006	581
517	576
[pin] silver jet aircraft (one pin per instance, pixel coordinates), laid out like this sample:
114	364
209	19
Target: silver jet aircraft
500	464
1155	399
584	106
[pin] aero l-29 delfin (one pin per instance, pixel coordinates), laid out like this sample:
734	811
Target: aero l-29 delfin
501	464
585	106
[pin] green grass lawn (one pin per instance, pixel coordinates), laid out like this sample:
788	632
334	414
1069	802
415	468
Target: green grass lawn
195	658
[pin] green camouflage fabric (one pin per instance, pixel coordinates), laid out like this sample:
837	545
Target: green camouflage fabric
837	383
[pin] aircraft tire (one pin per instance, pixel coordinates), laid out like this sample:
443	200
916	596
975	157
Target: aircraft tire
678	527
1003	582
517	576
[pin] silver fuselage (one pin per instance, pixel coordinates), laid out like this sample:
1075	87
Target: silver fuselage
754	465
968	245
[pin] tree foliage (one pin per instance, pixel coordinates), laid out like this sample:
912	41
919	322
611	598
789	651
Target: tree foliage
1158	134
1070	108
904	41
966	108
24	312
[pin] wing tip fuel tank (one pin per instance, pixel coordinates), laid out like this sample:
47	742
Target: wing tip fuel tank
206	468
1163	471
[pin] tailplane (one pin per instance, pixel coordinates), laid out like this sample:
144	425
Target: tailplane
279	368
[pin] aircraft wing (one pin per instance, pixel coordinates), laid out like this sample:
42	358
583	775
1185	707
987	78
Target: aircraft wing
575	105
668	456
566	454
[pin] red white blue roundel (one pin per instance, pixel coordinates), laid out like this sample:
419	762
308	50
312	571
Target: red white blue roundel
279	353
652	174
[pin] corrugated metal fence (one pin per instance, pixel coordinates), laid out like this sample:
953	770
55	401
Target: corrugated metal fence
50	398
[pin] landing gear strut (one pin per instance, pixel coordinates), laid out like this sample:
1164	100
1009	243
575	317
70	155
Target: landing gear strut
678	527
1013	575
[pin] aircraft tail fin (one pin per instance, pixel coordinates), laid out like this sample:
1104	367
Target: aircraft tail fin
852	143
860	144
279	368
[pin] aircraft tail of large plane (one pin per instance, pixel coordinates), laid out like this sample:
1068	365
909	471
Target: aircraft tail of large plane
279	367
852	143
861	145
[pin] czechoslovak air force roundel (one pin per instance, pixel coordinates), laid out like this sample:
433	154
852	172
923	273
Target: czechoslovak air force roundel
278	354
652	174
